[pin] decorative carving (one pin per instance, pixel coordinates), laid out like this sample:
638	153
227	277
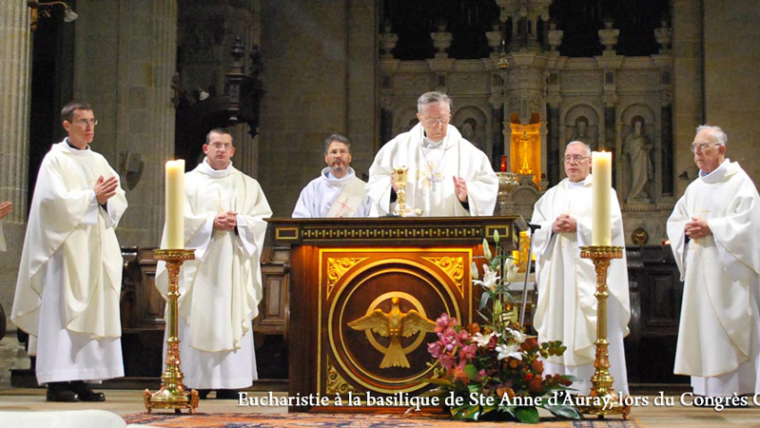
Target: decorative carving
453	267
554	36
664	37
364	234
581	80
337	267
608	37
647	79
336	384
394	325
441	40
388	40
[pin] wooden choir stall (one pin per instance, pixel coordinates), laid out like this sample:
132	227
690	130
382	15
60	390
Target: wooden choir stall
365	294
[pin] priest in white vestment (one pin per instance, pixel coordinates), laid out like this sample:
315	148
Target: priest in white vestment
566	308
714	231
69	280
221	289
447	175
337	192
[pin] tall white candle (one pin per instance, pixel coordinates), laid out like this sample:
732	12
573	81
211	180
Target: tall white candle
175	204
601	184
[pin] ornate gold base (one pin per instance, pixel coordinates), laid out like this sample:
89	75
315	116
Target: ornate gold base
598	408
602	400
173	393
176	398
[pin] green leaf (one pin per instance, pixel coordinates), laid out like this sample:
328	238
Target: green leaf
484	300
527	415
567	412
472	371
473	412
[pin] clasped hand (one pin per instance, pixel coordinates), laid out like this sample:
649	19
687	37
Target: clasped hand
225	221
105	188
697	228
564	223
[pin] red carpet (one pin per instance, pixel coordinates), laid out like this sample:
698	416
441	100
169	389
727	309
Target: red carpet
345	420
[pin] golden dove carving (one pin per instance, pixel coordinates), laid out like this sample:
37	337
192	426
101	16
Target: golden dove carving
395	325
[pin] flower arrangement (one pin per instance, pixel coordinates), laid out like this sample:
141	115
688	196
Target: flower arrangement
494	369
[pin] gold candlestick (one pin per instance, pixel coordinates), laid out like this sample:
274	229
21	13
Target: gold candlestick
173	394
601	382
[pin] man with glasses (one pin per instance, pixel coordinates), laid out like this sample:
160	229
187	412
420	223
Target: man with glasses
447	175
566	308
337	192
714	232
221	289
69	280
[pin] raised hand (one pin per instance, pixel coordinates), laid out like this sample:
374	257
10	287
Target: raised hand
460	187
105	188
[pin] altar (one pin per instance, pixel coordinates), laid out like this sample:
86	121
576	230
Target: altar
365	294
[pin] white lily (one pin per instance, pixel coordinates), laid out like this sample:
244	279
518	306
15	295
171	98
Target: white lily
489	278
519	336
510	270
481	340
506	351
474	270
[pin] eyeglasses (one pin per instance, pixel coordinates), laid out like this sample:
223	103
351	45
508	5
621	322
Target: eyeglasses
220	146
84	122
575	158
437	120
700	146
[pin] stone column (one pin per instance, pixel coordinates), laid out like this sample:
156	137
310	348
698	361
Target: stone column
15	102
124	63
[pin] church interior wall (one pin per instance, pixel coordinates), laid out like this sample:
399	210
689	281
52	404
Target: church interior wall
732	89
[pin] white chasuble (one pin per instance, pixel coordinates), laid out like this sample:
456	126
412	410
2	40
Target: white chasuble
430	190
221	288
718	331
69	282
566	308
333	197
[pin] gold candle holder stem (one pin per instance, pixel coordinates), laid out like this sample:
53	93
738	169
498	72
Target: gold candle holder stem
602	400
173	393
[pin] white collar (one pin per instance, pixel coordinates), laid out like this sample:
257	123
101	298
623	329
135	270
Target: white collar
578	184
332	181
206	168
77	152
717	174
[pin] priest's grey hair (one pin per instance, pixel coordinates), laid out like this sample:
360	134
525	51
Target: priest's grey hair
572	143
339	138
432	97
716	131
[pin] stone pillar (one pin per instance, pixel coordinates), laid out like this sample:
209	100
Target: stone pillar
124	63
688	94
15	102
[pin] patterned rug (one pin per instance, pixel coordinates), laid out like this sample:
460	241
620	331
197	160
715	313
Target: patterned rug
346	420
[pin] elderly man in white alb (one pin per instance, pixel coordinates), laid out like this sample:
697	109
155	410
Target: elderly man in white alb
447	175
337	192
566	308
221	289
714	232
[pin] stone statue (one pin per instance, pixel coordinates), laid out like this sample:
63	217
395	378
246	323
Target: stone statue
581	132
468	132
637	147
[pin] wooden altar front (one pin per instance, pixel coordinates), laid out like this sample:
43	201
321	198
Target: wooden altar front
365	294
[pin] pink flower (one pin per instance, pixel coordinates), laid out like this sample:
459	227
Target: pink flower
444	322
